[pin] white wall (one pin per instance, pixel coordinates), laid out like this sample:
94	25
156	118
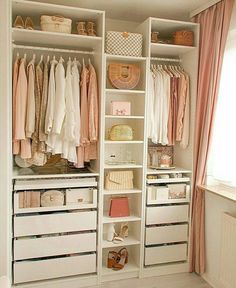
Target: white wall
215	206
5	148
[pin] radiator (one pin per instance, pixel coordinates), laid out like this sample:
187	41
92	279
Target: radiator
228	251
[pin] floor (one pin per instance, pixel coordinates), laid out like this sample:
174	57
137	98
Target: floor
184	280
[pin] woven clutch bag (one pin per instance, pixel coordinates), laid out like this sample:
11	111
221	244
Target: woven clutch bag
119	180
121	132
123	76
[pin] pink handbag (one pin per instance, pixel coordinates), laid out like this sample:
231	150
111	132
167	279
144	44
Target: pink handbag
120	108
119	207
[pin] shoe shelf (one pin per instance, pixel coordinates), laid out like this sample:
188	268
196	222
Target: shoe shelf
131	218
130	240
119	192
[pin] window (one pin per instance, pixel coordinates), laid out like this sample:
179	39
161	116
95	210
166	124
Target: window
222	159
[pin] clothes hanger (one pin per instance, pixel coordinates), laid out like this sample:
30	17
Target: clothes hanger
89	61
41	60
83	63
48	58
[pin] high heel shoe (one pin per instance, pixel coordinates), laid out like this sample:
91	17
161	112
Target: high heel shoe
122	234
19	23
122	259
112	258
29	24
90	26
81	28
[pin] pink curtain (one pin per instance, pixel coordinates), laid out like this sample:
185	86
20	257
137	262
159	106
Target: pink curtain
214	25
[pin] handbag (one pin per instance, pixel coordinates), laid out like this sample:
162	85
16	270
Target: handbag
119	180
120	132
119	207
123	76
52	198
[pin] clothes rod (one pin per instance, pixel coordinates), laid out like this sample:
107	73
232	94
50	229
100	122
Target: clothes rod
166	59
15	46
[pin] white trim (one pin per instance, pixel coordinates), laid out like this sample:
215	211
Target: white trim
203	7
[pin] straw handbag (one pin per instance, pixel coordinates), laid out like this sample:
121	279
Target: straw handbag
123	76
121	132
119	180
183	37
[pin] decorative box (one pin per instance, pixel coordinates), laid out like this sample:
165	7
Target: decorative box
178	191
57	24
124	43
29	199
52	198
119	207
120	108
119	180
183	37
81	196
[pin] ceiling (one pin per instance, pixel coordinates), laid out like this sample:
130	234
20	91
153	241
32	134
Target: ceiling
139	10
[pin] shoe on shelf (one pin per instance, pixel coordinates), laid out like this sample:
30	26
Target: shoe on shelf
81	28
112	258
122	259
19	23
29	24
122	234
90	26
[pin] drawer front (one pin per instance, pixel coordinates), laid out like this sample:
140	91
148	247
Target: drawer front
166	234
27	271
167	214
52	246
165	254
54	223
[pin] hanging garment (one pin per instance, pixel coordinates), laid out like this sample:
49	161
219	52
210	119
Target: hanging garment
20	112
16	143
30	115
51	98
150	104
43	107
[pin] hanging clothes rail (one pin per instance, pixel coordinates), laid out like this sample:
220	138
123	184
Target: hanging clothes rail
15	46
167	59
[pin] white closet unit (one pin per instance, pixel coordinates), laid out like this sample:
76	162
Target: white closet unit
67	245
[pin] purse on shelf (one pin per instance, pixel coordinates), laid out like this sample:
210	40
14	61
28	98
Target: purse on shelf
52	198
123	76
119	207
120	132
119	180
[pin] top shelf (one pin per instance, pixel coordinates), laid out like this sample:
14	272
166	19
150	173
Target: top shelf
158	49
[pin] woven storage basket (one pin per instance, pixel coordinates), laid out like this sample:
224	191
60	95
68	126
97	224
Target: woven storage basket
56	24
123	76
183	37
119	180
124	43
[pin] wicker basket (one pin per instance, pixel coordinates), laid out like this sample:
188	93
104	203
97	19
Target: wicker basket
56	24
183	37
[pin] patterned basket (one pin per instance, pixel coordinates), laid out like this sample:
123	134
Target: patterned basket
183	37
124	43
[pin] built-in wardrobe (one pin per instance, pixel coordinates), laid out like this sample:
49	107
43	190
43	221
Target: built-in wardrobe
67	245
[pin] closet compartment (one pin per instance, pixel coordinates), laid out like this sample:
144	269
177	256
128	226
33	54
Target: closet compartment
167	214
28	271
166	234
54	223
165	254
126	60
52	245
133	238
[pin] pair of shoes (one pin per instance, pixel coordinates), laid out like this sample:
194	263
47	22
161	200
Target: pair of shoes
122	234
86	28
19	23
117	260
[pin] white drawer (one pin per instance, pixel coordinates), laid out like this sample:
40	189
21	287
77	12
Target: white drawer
165	254
27	271
55	223
166	234
167	214
53	246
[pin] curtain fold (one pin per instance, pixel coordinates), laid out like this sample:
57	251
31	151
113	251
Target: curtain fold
214	25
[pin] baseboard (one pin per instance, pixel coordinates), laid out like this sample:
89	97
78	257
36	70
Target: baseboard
213	282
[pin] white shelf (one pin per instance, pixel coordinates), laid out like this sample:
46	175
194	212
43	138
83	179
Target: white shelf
124	91
123	117
128	268
158	49
167	171
130	240
107	219
55	40
110	57
168	180
124	166
117	192
123	142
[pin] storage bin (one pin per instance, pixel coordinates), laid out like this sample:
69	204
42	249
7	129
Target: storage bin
124	43
183	37
54	223
120	108
166	234
85	198
56	23
165	254
167	214
54	245
27	271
